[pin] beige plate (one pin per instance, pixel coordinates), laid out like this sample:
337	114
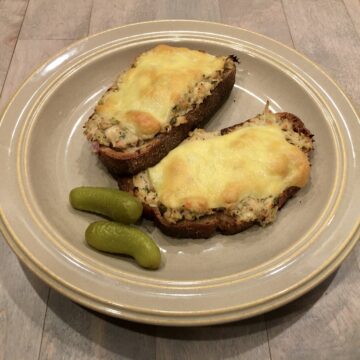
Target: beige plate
43	155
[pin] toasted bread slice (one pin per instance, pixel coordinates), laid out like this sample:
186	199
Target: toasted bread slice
268	163
151	108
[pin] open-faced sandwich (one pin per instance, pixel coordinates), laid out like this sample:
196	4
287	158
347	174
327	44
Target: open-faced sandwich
150	109
226	180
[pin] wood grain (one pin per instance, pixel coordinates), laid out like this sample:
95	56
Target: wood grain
113	13
244	340
353	9
188	9
53	19
11	17
324	324
3	325
262	16
22	308
323	31
72	332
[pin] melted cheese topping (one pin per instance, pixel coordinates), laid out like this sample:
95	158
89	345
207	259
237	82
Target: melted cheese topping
159	80
254	161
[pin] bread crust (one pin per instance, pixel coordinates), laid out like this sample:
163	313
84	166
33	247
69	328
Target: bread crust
121	163
207	225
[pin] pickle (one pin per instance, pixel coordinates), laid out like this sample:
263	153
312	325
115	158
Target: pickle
112	203
117	238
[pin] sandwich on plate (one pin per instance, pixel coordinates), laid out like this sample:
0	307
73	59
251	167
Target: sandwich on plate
226	180
151	107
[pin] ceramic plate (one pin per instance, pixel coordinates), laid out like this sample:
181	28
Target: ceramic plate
44	155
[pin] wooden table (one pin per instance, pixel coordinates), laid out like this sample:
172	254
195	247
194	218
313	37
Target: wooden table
38	323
